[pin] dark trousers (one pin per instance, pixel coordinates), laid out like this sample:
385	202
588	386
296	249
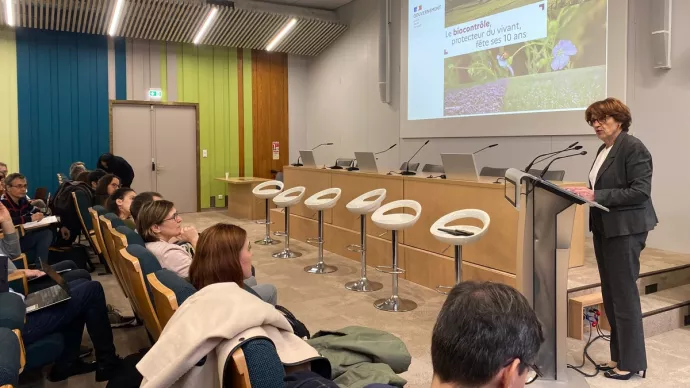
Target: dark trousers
35	244
618	259
73	274
86	307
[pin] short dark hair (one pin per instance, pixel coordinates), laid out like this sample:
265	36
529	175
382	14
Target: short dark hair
13	177
481	327
612	107
140	200
111	203
96	175
83	177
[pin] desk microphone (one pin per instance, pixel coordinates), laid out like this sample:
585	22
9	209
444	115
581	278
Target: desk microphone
298	164
551	154
355	168
407	165
489	146
387	149
543	172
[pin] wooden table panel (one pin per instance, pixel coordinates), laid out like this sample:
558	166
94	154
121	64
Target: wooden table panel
242	204
314	180
355	184
496	249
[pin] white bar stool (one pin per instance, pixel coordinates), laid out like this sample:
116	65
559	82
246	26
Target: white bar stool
459	241
394	223
365	203
321	201
267	191
286	199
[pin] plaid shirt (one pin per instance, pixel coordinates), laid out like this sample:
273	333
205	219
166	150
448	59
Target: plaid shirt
20	212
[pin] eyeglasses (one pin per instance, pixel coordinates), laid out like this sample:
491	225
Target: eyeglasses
175	217
20	186
533	372
601	121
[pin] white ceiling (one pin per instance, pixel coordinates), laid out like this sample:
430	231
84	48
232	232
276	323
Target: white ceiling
321	4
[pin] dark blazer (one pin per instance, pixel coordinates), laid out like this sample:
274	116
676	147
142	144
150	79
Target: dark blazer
624	185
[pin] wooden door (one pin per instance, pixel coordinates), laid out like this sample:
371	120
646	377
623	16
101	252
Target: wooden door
270	111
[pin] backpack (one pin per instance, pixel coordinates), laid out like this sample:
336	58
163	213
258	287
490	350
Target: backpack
62	203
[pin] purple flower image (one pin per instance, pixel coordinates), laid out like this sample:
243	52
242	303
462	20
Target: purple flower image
562	52
504	64
486	98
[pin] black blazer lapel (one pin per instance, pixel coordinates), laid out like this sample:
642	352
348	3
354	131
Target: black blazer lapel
611	156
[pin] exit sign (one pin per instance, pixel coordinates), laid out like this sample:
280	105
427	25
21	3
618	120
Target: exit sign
155	94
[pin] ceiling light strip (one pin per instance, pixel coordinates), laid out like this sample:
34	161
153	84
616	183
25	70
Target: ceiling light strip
207	23
9	13
117	16
276	40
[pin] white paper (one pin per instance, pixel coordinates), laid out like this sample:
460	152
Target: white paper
42	223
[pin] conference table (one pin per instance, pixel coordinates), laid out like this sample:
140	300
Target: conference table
242	204
426	261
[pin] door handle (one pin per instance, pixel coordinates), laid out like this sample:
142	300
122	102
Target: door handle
160	168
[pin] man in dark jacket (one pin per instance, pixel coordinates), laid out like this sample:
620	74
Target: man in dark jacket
118	166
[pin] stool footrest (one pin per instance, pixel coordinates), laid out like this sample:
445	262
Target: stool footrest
389	269
355	248
263	222
279	234
440	289
314	240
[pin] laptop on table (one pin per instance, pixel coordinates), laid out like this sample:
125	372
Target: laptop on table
460	167
366	162
308	158
53	295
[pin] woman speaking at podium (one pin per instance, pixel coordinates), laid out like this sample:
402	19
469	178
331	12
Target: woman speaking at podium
620	179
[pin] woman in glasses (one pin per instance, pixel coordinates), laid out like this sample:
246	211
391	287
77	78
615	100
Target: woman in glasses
621	180
105	187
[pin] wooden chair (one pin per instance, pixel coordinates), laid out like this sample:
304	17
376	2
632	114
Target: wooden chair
86	225
98	237
109	244
164	299
20	262
140	297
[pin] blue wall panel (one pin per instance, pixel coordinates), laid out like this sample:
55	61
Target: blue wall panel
120	47
62	82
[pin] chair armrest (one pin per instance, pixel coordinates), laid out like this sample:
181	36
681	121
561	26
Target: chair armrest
12	311
19	275
20	230
22	258
22	350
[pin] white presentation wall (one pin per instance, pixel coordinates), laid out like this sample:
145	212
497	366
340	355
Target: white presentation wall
480	68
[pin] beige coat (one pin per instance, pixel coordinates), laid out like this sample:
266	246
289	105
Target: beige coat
213	323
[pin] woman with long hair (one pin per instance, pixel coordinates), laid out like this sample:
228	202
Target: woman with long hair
224	254
119	203
105	187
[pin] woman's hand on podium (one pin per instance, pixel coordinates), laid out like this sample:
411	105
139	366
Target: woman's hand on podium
583	192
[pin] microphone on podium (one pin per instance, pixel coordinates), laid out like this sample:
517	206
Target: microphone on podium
298	164
543	172
407	165
487	147
548	155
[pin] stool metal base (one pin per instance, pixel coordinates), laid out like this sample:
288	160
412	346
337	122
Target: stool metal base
286	254
363	285
267	241
320	268
395	304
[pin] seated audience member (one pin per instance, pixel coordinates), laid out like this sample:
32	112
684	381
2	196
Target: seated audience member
120	202
224	254
35	243
118	166
75	169
140	200
83	177
94	177
85	307
158	223
2	183
105	188
486	335
3	169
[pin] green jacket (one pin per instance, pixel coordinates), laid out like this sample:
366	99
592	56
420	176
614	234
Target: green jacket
360	356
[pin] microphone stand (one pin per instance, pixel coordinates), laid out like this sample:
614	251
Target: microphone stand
489	146
549	154
356	168
407	165
546	169
298	164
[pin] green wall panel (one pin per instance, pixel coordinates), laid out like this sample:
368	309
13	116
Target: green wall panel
248	118
9	129
208	76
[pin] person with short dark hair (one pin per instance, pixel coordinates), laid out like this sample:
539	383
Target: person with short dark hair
486	335
94	176
140	200
120	203
75	169
117	165
620	179
84	177
35	243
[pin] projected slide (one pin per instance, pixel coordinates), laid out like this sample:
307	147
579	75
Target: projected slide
488	57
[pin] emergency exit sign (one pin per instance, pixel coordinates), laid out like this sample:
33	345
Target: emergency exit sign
155	94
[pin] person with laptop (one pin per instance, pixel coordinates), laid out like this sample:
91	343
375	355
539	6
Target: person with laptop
84	306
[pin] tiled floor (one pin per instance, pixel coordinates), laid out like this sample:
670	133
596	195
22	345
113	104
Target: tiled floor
322	302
